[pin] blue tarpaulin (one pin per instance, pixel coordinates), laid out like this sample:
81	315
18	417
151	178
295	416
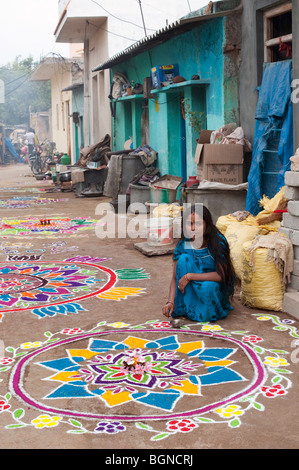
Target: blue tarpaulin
274	111
9	146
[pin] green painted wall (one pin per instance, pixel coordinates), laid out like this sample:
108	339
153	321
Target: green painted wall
199	51
78	106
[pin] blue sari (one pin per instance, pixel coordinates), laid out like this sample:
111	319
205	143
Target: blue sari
202	301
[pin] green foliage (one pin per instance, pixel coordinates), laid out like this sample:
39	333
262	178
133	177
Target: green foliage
195	119
21	92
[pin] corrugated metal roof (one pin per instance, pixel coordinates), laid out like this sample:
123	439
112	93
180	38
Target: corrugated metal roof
221	8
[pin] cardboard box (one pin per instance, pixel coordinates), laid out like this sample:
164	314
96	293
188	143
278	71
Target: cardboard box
222	163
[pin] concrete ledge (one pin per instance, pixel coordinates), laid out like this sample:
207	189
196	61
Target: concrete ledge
291	193
287	231
296	268
292	234
293	208
291	178
294	284
150	250
291	304
290	221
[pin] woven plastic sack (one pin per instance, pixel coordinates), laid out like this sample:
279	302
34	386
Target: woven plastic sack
168	210
236	235
262	284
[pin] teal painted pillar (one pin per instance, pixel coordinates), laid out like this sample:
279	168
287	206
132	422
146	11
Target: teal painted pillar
176	138
122	124
158	131
195	97
136	123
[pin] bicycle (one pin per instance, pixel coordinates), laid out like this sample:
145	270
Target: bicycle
39	158
37	162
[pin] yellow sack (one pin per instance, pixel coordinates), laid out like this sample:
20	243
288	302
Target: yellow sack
262	285
270	205
237	233
224	221
168	210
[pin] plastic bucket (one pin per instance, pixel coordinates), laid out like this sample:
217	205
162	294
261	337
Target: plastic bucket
160	231
162	195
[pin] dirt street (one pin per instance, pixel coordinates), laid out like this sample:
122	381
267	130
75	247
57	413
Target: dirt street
76	309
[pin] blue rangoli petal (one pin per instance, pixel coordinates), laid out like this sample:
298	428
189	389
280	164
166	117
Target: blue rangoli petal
61	364
69	391
170	342
219	375
165	400
215	354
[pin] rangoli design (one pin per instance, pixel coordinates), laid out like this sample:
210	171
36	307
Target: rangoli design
178	380
59	287
56	226
25	202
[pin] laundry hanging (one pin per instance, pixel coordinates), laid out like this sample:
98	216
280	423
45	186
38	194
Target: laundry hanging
274	112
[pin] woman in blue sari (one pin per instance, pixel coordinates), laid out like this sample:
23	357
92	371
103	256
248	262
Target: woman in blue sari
203	275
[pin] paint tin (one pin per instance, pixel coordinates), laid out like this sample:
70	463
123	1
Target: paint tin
160	231
176	322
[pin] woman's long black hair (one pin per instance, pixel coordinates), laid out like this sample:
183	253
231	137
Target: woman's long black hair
217	245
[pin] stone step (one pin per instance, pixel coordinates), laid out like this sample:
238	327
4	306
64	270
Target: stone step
291	221
293	208
291	178
291	193
292	234
296	267
291	304
294	284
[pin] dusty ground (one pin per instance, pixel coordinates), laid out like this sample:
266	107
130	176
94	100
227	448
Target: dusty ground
256	411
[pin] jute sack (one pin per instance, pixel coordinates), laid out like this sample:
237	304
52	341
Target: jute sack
262	284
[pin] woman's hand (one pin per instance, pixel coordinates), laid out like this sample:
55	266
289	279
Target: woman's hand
183	282
168	309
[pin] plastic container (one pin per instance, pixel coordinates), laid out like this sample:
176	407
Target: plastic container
139	193
65	160
162	195
164	190
191	181
160	231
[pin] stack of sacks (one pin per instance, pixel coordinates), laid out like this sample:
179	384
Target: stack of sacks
262	281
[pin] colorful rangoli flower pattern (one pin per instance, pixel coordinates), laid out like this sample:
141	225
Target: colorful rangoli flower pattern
157	373
32	226
25	202
37	286
59	287
103	373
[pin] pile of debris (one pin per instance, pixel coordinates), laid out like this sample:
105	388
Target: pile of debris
95	153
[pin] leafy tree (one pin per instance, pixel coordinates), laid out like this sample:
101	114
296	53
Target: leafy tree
21	92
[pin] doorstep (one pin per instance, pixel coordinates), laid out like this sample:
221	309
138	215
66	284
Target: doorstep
152	250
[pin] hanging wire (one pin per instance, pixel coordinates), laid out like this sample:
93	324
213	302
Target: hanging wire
120	19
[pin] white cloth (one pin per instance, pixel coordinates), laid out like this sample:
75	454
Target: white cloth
30	138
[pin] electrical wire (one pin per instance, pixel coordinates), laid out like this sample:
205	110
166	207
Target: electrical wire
18	78
120	19
19	86
110	32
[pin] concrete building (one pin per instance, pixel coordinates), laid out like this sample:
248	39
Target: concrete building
64	74
105	28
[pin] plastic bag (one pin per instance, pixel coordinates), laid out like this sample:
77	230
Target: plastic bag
262	284
168	210
219	134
